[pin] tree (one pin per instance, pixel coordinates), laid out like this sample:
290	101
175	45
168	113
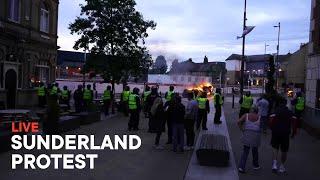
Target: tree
160	66
116	33
174	65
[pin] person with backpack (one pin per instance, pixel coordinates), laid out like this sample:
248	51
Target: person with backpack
149	103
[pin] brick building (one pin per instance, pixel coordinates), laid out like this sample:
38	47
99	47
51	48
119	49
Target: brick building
28	48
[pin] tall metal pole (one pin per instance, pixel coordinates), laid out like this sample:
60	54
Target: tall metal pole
277	60
243	48
265	48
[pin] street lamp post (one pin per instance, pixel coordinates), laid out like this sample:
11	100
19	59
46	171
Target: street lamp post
243	48
265	48
278	47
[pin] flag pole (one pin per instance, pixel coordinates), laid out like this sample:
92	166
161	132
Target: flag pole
243	48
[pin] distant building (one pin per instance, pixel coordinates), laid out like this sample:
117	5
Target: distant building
213	71
293	68
70	64
255	67
28	48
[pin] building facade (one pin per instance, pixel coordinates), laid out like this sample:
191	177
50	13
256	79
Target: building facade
255	67
293	68
313	63
28	48
188	71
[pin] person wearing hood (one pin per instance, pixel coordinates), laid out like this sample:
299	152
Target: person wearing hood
157	113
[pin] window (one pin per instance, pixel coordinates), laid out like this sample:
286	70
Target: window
14	10
189	79
44	18
42	72
182	78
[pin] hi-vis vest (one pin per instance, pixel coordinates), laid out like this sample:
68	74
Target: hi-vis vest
246	102
202	103
300	104
125	95
145	95
169	95
132	102
87	94
106	95
220	100
54	90
64	94
41	91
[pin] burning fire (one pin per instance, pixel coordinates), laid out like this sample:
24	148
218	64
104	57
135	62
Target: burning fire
202	87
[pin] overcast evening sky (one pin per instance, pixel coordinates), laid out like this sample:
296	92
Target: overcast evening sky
195	28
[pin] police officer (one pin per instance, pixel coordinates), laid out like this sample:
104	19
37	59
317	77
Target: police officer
124	100
145	96
218	102
107	98
55	91
134	109
168	96
87	97
203	111
41	94
299	103
65	96
246	104
78	99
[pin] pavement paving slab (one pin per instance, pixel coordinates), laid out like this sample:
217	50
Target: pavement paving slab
195	171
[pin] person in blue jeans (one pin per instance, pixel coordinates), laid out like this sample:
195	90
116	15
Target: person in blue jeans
249	123
176	111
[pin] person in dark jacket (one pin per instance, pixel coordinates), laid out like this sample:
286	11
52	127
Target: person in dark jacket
176	112
157	114
149	103
282	124
78	99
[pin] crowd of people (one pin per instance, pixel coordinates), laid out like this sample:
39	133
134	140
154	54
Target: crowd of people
179	120
255	120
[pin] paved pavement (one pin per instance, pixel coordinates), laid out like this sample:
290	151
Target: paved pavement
145	163
303	158
195	171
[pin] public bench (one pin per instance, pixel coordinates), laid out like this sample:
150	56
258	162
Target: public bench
213	150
